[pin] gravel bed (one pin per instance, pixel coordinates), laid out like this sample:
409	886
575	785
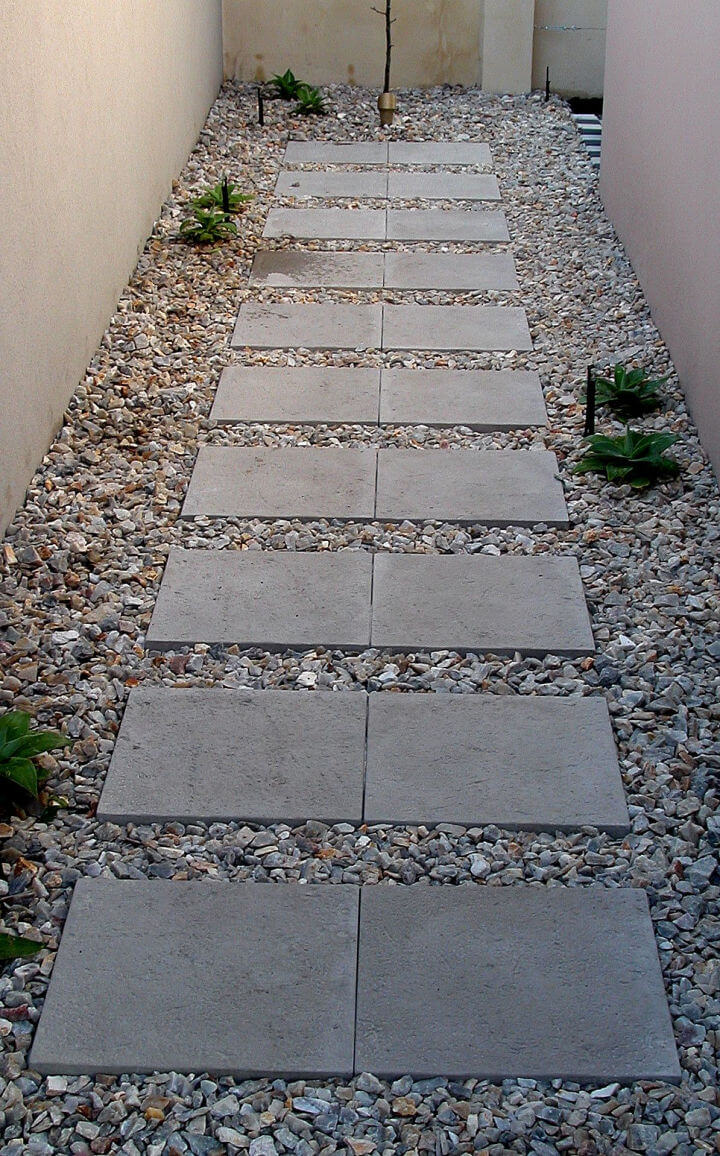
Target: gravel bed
81	565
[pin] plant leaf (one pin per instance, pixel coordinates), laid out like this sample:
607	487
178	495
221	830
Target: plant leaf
16	946
21	772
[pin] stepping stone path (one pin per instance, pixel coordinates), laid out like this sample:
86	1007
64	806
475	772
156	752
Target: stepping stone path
542	982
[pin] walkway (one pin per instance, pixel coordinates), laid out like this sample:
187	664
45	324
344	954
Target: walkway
484	981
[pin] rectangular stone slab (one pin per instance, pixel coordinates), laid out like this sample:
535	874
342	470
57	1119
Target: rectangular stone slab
501	399
501	982
330	184
445	225
290	326
496	487
527	762
287	267
469	271
448	152
202	976
443	186
471	327
297	393
479	603
286	482
315	152
327	224
278	600
258	755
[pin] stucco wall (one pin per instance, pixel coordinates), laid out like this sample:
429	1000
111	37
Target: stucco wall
343	41
570	40
660	179
101	103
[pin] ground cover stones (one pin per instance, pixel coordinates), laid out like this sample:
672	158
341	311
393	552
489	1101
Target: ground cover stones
292	326
497	487
276	600
520	762
461	602
324	223
292	482
302	393
487	982
447	327
537	982
192	976
461	271
260	756
285	600
502	399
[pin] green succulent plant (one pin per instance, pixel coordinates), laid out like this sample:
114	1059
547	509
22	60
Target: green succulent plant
225	196
207	227
629	391
16	946
286	85
19	747
310	101
634	457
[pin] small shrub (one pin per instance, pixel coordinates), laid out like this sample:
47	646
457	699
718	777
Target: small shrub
629	391
15	946
207	227
225	196
310	101
634	457
19	746
286	85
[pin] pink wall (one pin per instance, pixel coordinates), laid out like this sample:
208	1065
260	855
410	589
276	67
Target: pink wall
660	179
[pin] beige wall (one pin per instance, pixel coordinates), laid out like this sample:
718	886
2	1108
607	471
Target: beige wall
660	179
343	41
101	103
575	55
506	45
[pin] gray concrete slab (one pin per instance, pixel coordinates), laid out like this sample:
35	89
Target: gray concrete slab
448	152
443	186
290	326
499	982
471	327
468	271
258	755
326	224
501	399
315	152
202	976
497	487
522	762
297	393
445	225
287	267
332	184
278	600
479	603
283	482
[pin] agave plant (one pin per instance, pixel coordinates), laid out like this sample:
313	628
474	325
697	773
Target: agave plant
634	457
207	227
19	746
310	101
629	391
286	85
225	196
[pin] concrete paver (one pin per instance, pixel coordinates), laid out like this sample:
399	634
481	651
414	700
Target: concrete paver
462	271
442	186
297	393
326	224
202	977
287	267
447	152
262	756
313	152
496	982
290	326
480	399
331	184
484	225
445	327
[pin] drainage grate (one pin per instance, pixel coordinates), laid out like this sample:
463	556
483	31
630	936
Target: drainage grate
590	129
